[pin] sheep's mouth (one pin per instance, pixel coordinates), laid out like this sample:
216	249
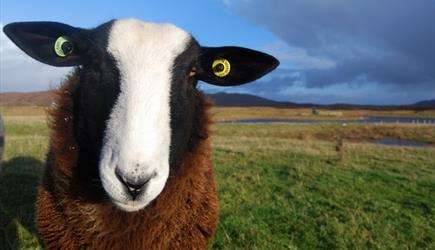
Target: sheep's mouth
125	202
130	199
129	206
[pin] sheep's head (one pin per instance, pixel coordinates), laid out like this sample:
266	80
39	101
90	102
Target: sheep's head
135	104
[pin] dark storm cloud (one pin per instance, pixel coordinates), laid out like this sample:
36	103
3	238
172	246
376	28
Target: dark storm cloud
371	69
390	42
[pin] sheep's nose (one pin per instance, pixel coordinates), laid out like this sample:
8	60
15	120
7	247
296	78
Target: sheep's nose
135	185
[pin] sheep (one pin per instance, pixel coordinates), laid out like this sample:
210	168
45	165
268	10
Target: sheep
129	164
2	142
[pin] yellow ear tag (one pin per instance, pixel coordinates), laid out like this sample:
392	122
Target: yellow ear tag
63	46
221	67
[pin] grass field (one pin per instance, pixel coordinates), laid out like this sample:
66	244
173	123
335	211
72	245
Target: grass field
239	113
281	186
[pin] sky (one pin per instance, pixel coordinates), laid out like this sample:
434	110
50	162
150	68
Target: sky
335	51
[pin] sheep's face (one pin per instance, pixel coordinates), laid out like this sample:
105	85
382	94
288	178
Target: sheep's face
139	137
135	105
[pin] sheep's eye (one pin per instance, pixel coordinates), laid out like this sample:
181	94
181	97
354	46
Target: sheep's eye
192	72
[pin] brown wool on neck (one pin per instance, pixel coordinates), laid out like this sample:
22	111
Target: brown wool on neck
183	216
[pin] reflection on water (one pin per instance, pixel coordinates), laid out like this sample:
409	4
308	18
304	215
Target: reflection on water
403	143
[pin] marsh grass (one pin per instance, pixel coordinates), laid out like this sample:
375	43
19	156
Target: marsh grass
330	132
280	186
26	111
240	113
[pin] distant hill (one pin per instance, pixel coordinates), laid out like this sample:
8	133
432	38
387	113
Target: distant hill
226	99
40	98
44	98
425	104
246	100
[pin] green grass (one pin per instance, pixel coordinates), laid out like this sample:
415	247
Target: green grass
25	149
280	187
280	193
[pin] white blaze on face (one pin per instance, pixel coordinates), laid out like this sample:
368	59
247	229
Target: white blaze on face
138	137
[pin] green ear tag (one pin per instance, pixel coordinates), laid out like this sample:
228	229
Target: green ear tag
221	67
63	46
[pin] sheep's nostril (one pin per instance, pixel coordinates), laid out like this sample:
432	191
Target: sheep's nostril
134	192
135	184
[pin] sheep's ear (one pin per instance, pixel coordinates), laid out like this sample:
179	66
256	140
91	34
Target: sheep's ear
229	66
52	43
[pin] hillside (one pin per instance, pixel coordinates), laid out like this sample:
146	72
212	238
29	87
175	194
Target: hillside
243	100
427	103
40	98
44	98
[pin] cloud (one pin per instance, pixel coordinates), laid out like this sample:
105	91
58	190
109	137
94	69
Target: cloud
294	57
19	72
388	43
